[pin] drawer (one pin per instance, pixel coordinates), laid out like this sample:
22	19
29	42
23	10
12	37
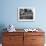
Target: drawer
12	39
37	44
34	39
37	39
34	33
14	44
8	45
13	33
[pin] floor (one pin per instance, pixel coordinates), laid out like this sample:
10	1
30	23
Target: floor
0	44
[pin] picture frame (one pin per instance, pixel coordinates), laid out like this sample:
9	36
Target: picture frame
26	14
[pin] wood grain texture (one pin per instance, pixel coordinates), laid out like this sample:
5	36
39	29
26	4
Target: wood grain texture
23	39
34	39
13	39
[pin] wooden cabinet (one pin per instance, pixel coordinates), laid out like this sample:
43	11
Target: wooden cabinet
34	39
23	39
13	39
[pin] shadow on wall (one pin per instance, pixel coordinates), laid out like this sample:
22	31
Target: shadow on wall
2	26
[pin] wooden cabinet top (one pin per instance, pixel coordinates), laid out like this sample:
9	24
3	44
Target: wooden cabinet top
24	33
20	32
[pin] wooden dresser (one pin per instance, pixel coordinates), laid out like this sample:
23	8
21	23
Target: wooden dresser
23	39
34	39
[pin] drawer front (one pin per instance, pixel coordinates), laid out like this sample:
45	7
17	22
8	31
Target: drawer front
37	39
12	44
34	33
37	45
13	33
33	40
12	39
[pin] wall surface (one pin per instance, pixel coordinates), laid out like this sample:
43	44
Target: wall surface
8	13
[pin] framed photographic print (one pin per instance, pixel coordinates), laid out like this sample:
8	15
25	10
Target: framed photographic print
26	14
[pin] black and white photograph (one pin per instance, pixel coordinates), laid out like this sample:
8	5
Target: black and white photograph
26	14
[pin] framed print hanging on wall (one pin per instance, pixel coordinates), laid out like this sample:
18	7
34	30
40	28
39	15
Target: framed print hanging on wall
26	14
